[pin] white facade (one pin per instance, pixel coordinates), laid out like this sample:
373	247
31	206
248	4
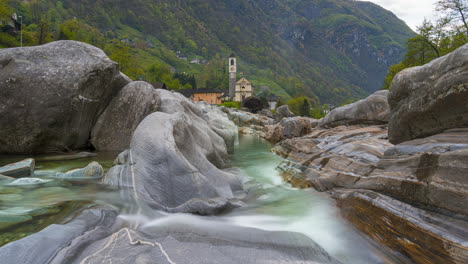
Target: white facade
243	90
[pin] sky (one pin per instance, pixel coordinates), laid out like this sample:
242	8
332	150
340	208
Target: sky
411	11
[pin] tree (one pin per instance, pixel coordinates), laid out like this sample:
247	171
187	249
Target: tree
305	108
5	10
455	10
254	104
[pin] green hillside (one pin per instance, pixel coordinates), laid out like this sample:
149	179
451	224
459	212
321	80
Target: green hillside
331	50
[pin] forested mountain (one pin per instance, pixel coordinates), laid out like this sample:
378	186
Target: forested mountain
331	50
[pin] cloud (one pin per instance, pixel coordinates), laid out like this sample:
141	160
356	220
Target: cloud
412	12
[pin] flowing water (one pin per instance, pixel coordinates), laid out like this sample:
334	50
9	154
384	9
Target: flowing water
271	205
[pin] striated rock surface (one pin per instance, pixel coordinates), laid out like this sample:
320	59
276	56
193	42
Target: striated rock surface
174	159
423	236
99	236
370	111
410	197
430	171
114	128
429	99
53	94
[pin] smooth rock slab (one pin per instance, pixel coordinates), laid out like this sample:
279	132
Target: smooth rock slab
98	236
373	110
24	168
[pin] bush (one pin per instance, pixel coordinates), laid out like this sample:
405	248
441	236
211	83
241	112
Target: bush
236	105
254	104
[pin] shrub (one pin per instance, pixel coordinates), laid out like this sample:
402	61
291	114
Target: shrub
236	105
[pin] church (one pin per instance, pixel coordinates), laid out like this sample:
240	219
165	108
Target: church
241	89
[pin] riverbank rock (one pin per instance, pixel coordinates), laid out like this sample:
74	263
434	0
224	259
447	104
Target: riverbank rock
429	99
430	172
421	235
53	94
282	112
92	171
174	159
114	128
24	168
289	128
373	110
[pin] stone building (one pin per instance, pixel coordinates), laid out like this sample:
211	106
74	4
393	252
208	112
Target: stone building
243	90
238	90
209	96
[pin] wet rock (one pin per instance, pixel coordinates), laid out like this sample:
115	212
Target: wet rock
3	177
429	99
24	168
115	126
28	181
370	111
423	236
66	156
98	234
93	171
74	81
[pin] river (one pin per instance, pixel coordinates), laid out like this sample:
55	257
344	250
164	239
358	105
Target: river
271	204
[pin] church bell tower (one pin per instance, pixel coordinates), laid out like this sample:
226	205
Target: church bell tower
232	75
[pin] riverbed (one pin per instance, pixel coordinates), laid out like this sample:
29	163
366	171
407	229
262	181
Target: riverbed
271	204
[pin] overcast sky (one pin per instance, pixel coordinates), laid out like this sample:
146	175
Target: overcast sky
410	11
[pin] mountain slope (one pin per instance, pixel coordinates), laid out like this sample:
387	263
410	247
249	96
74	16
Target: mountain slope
331	49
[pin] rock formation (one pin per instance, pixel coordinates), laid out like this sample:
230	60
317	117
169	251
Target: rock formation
372	110
53	94
430	99
115	126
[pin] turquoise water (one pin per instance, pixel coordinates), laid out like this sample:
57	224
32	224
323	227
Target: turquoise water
271	204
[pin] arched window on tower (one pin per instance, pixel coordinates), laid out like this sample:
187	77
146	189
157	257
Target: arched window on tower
232	62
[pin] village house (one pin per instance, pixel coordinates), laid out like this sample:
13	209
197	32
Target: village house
207	95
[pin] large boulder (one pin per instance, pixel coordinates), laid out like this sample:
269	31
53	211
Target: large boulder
174	159
114	128
288	128
370	111
53	94
429	99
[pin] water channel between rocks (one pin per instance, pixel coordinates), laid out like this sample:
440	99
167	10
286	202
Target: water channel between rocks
271	204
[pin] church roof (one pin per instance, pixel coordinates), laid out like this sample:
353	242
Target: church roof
232	55
243	79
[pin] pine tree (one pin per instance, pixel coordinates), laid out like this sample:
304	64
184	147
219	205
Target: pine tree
305	108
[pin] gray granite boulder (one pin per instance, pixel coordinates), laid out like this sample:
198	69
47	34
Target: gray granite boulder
24	168
429	99
115	126
288	128
53	94
174	159
373	110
